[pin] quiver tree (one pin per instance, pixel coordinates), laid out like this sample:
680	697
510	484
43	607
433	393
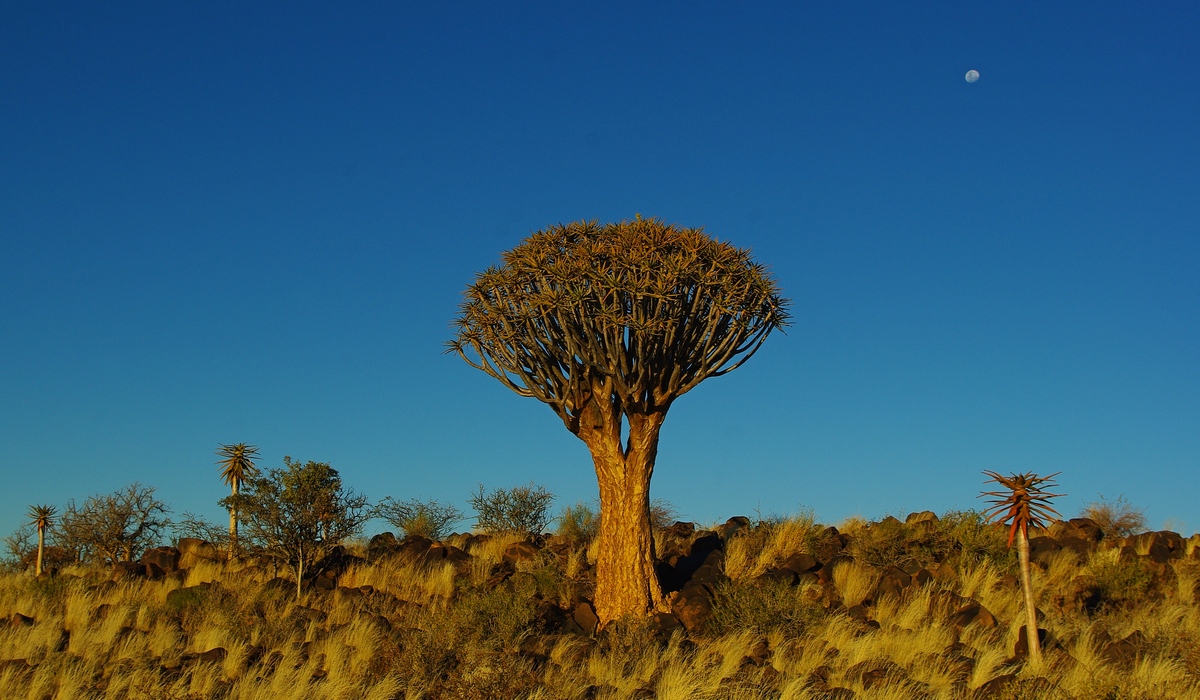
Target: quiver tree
41	517
1023	503
608	325
237	465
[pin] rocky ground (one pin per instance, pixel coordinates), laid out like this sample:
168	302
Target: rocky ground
927	607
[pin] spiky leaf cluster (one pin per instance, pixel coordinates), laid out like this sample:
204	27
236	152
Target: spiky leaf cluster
1024	502
237	463
41	516
645	308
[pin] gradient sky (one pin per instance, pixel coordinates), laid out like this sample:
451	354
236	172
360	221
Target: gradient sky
226	222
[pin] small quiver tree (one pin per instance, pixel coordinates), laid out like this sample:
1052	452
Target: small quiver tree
1023	503
609	325
41	517
237	465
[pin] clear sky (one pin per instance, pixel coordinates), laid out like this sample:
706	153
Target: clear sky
225	222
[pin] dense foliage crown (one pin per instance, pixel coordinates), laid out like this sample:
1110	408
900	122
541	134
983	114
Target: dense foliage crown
641	307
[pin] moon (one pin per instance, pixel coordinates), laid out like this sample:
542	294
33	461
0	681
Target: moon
972	75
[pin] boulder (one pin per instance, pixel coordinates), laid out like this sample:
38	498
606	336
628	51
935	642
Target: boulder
519	552
731	526
193	551
972	613
19	620
585	617
693	606
921	517
127	570
165	559
801	563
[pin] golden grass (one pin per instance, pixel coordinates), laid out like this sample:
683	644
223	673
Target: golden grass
434	632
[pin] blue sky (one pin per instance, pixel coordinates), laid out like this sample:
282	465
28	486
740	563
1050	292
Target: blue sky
226	223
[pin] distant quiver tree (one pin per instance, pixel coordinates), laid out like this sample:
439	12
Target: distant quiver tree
608	325
1024	502
237	465
41	517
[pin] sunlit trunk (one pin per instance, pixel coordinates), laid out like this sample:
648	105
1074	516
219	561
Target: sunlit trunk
1031	625
233	525
626	584
41	549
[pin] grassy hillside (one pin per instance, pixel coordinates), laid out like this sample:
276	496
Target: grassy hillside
789	608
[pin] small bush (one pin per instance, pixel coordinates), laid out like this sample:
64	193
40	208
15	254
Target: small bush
1116	518
662	514
1121	582
881	544
415	517
763	607
974	539
578	523
521	509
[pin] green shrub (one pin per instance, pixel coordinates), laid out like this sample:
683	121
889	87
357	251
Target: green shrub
521	509
973	540
884	543
763	606
415	517
578	523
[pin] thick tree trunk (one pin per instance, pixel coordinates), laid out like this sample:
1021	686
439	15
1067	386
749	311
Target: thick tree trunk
1031	627
626	584
41	549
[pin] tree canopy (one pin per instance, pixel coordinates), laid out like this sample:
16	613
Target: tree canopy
650	308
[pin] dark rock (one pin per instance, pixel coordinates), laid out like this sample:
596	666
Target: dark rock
759	654
731	526
857	612
1078	545
664	623
920	517
19	620
310	614
166	559
212	656
1041	548
892	582
1086	528
972	613
518	552
693	606
585	616
825	573
830	543
1125	652
127	570
995	687
921	577
324	582
801	563
712	570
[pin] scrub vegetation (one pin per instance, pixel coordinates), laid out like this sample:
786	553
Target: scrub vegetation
772	608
